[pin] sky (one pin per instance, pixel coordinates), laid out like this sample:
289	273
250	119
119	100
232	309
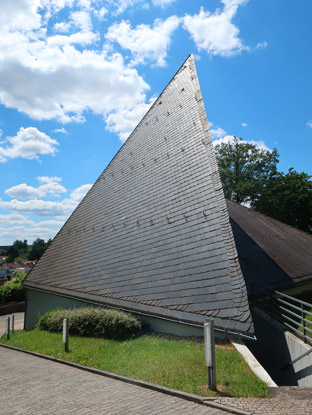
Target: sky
76	77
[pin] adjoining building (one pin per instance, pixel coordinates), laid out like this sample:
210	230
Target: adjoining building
152	236
272	255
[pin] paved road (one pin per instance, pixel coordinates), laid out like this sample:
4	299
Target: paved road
31	385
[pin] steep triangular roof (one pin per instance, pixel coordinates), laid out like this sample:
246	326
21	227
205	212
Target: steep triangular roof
152	235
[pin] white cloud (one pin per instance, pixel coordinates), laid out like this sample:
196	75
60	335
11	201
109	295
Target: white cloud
309	123
60	130
217	132
49	179
62	27
229	139
261	45
100	13
214	32
17	226
124	121
82	20
52	75
244	124
163	3
19	15
121	5
47	207
145	42
28	143
40	207
79	193
14	219
23	191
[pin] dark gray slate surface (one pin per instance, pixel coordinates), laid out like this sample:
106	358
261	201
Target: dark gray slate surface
153	233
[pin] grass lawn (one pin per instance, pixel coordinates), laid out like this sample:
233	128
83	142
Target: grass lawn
174	363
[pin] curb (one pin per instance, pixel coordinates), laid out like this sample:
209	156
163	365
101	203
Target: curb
147	385
253	363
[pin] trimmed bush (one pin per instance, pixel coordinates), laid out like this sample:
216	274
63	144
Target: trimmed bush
92	322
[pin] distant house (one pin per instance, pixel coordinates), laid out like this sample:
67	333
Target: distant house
29	264
3	273
152	236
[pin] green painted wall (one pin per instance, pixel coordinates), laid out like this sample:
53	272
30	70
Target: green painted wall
39	303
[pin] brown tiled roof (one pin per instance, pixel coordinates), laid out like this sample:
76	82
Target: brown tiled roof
153	235
289	248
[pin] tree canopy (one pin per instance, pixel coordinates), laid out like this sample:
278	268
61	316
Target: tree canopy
244	169
288	198
249	175
38	248
19	250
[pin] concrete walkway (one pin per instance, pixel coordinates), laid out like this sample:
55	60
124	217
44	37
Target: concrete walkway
32	385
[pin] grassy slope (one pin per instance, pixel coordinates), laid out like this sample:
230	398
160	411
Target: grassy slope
177	364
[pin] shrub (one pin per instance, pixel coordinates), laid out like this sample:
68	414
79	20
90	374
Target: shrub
93	322
12	290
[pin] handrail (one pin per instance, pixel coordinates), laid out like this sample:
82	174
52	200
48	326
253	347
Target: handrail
276	304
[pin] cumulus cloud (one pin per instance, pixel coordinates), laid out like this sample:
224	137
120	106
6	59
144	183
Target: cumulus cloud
50	74
309	123
163	3
60	130
50	186
124	121
14	219
41	207
16	225
229	139
215	32
244	124
145	42
79	193
121	5
261	45
19	14
28	143
217	132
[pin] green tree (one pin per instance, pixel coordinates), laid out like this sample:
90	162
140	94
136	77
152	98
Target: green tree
288	198
244	169
19	245
250	175
12	253
38	248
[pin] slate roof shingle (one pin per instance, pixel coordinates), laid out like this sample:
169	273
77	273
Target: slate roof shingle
153	235
271	253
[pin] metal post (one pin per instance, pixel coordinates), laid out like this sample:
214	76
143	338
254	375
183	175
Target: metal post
210	354
12	323
65	334
7	327
303	323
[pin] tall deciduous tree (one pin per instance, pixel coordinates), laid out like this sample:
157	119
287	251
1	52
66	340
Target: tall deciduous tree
244	169
38	248
288	198
249	175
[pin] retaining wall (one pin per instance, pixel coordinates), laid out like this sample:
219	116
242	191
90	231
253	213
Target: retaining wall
276	347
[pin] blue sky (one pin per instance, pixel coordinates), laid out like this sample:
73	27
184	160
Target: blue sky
76	76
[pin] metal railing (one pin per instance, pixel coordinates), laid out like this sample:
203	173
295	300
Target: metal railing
293	313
